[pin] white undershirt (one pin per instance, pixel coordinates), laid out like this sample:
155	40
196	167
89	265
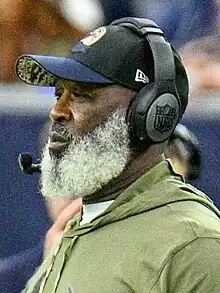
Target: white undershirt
90	211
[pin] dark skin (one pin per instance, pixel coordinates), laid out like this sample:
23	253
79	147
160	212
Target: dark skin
82	107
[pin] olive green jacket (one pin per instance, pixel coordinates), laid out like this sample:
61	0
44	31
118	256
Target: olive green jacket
160	235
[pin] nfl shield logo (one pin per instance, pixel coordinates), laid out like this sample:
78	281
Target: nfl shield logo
165	117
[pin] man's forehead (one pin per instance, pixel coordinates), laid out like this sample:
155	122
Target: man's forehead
62	83
69	84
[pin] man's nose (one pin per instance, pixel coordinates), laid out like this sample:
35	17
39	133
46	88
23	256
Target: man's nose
61	110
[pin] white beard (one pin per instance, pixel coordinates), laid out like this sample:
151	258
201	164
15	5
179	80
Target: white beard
89	162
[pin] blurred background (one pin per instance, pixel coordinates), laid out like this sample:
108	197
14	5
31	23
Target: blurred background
52	27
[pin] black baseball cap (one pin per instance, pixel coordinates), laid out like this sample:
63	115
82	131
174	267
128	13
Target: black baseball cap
110	54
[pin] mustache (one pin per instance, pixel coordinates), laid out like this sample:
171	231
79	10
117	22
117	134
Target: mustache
61	129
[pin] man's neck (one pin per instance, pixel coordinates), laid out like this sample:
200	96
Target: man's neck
138	165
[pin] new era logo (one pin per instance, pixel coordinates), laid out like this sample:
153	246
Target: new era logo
141	77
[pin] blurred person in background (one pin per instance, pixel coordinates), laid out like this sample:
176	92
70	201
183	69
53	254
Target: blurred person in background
182	21
185	153
201	58
41	26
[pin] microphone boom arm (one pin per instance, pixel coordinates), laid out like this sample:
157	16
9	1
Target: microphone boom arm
26	164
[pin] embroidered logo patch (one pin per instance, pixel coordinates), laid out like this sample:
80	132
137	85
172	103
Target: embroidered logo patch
94	36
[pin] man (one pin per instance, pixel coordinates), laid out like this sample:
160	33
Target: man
185	153
120	94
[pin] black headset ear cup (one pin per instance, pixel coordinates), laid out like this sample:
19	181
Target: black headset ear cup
156	108
153	119
132	118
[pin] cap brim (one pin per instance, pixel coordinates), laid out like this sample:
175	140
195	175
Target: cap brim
46	70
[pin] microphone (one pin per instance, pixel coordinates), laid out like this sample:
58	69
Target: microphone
26	164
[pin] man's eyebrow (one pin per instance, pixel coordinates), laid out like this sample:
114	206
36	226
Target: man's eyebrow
57	89
85	89
57	85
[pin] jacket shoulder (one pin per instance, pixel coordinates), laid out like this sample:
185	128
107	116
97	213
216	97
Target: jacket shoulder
194	268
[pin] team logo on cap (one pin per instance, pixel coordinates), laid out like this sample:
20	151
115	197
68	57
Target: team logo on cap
94	36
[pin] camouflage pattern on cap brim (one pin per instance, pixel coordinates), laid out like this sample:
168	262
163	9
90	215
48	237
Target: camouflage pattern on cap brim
30	72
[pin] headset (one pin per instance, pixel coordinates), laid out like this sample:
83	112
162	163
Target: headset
156	109
182	136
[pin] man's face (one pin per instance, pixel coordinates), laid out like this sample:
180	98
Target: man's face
88	141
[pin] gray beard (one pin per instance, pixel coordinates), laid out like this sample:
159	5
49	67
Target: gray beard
90	162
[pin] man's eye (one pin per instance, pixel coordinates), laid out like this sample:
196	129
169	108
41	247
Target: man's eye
58	95
82	96
77	94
